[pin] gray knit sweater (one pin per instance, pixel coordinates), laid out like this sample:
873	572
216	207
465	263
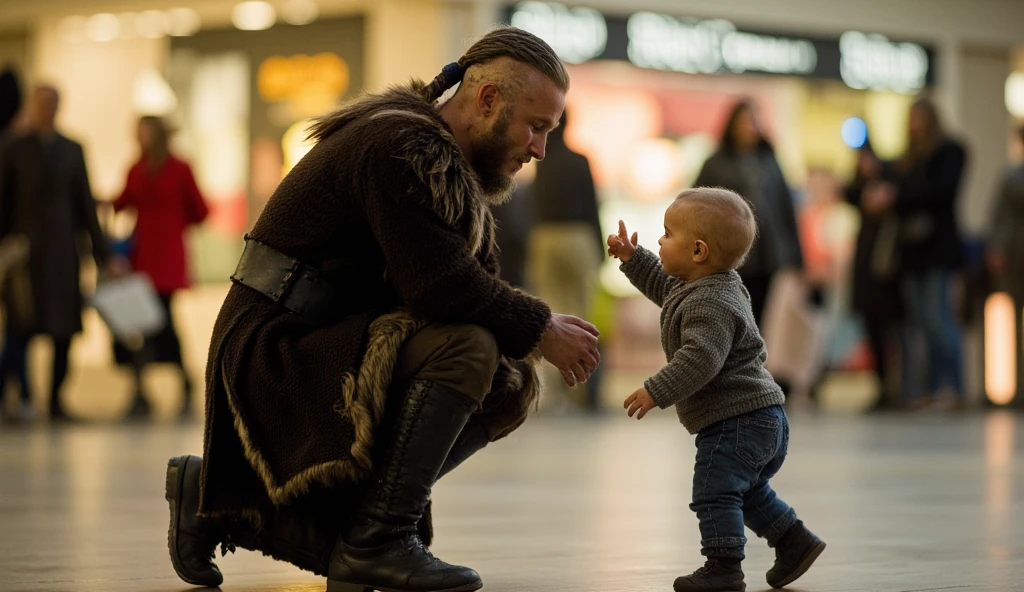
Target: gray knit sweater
715	352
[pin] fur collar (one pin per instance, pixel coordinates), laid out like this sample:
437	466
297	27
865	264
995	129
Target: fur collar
422	139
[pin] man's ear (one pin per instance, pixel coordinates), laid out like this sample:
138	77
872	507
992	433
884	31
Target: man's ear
488	99
700	251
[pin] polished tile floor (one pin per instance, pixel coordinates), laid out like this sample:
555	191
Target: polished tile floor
906	503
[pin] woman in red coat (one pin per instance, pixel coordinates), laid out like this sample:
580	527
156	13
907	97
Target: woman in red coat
163	193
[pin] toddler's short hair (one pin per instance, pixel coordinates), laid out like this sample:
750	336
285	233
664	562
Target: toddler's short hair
724	220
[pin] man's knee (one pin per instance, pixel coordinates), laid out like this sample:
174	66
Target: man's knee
475	353
462	357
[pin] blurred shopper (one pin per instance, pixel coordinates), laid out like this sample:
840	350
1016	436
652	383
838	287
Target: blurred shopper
745	163
12	251
512	224
876	291
566	245
46	199
923	194
1006	253
161	190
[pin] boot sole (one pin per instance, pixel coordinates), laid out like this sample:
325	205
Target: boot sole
805	565
336	586
172	493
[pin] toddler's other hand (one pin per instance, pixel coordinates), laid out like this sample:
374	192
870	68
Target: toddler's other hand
641	401
620	245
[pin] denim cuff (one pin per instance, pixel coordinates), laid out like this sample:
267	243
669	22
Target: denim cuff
723	547
776	529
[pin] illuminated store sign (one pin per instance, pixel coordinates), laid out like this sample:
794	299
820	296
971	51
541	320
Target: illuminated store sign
718	46
577	34
708	47
872	61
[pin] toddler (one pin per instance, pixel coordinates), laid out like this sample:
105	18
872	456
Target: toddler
716	379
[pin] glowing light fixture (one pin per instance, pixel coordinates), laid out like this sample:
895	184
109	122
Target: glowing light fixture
854	132
253	15
103	27
1000	349
184	22
299	12
153	24
1014	94
151	95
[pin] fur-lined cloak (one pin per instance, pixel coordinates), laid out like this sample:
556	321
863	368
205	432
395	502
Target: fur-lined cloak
387	207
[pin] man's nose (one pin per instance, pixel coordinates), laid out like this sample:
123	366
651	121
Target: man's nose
538	146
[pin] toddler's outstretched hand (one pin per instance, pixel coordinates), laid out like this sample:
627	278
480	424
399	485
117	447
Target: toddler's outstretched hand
620	245
641	401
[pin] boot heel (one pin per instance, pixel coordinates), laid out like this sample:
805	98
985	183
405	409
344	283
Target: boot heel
336	586
171	485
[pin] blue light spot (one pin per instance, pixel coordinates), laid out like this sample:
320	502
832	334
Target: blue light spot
854	132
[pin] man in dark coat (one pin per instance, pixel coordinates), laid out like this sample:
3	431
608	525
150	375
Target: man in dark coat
566	245
45	198
368	345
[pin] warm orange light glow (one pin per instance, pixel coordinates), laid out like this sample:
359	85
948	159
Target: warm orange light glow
1000	349
607	125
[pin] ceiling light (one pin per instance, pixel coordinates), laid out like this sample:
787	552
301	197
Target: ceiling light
254	15
103	27
184	22
299	12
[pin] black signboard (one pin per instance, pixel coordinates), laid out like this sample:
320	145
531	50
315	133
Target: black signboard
717	46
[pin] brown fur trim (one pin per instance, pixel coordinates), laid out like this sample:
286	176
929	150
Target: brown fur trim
363	397
430	150
327	473
515	392
438	162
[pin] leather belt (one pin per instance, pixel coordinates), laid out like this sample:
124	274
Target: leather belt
285	280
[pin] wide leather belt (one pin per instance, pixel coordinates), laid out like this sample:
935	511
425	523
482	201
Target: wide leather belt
289	282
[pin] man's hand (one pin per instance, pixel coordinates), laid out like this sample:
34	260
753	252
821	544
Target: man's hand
570	344
640	401
621	246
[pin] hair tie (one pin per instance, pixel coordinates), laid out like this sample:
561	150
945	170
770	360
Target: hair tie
452	74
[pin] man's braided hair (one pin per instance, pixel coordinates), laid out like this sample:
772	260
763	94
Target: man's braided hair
510	42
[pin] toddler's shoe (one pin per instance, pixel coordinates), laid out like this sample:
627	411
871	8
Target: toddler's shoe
719	574
794	554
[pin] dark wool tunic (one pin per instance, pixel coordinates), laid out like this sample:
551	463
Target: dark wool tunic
387	207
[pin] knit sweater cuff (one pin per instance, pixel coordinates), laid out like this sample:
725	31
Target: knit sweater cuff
641	259
661	391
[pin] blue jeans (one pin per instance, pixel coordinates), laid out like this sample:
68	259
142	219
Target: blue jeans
930	312
735	460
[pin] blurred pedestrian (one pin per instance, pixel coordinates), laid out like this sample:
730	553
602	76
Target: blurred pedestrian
565	247
162	191
46	199
876	290
923	194
745	163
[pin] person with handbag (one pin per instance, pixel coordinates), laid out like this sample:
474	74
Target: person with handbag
926	182
45	198
162	191
876	293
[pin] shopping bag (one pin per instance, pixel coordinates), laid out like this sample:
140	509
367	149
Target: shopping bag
130	307
793	331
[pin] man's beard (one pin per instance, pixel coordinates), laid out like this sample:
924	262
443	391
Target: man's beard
492	153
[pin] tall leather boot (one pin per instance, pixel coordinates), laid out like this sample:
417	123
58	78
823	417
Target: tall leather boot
382	551
288	534
471	440
192	540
